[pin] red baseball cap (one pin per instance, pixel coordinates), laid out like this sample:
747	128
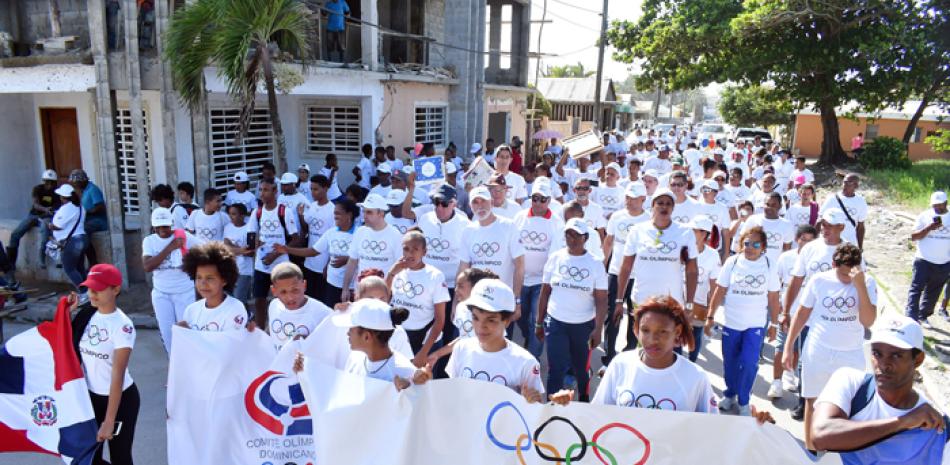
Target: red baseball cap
102	276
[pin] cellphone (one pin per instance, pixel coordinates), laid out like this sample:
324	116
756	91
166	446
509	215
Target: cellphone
252	240
938	220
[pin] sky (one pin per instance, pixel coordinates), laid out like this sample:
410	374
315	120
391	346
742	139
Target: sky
573	33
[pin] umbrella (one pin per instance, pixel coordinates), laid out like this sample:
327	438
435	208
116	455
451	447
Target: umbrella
546	134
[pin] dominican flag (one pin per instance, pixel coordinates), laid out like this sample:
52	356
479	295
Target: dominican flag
44	401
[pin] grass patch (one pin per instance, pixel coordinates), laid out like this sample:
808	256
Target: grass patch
912	188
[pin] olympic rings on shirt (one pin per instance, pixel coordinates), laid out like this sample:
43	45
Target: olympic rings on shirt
287	330
205	233
211	326
628	399
749	280
340	245
819	266
401	228
549	452
317	224
573	272
377	247
484	376
843	304
681	219
485	249
773	237
607	199
408	289
534	237
662	247
270	225
438	245
96	335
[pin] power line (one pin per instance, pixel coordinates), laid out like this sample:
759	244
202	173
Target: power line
569	21
560	2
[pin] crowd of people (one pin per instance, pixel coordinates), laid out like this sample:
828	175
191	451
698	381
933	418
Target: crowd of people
658	235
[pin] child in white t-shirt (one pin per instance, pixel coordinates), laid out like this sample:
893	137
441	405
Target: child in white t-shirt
292	314
235	237
213	269
461	315
208	223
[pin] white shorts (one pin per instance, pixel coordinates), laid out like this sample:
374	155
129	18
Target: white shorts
819	363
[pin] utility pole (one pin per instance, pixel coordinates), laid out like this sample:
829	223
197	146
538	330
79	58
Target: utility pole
600	68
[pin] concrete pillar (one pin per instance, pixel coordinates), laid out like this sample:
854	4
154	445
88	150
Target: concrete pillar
494	34
134	76
369	36
520	51
169	97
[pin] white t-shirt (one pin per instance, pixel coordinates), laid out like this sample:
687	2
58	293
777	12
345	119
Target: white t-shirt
573	280
381	190
512	366
619	227
104	334
284	325
169	276
335	243
708	263
516	186
740	193
628	382
726	198
685	211
856	207
797	214
208	227
238	236
785	266
65	218
508	210
401	224
539	236
419	291
385	370
748	283
230	315
658	264
610	199
367	169
463	321
291	201
494	248
334	190
376	249
815	257
935	246
778	232
573	174
180	214
269	232
843	386
443	241
718	213
319	220
594	215
809	176
246	198
834	322
662	166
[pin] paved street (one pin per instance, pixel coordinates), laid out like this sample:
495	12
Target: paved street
149	366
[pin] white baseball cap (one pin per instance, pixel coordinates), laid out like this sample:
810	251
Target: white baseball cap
481	192
288	178
240	176
65	190
475	148
374	202
935	198
366	313
701	222
898	331
304	167
636	189
711	184
395	197
162	217
492	295
541	186
651	173
834	216
49	175
450	168
384	167
577	225
613	166
661	192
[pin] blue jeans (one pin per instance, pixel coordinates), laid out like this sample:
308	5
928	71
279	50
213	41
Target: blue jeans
698	341
530	295
740	360
24	227
568	349
613	329
925	286
72	257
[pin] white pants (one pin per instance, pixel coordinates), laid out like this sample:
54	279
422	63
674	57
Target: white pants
169	310
819	363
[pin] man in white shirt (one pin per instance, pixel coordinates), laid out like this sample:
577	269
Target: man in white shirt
240	193
289	197
593	213
853	205
932	260
376	244
801	170
583	170
516	183
384	175
661	164
365	169
501	204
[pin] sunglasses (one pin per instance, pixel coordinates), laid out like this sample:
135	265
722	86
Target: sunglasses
581	188
677	184
753	244
706	190
539	198
444	203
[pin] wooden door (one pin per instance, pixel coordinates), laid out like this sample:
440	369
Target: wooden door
61	140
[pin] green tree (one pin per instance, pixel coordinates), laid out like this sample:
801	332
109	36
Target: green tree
816	54
243	39
939	141
754	106
567	71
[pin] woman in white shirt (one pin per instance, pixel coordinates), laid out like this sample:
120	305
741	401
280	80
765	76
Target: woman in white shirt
574	292
68	230
708	263
747	288
105	348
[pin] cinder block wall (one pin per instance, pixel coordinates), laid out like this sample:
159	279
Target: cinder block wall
34	20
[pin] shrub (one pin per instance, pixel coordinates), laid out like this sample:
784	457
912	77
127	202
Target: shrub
885	153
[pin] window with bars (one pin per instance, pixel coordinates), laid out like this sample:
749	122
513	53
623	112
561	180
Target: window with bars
431	124
333	128
125	153
229	156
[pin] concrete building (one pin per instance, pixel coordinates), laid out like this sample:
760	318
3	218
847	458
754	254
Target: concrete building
891	122
434	71
572	103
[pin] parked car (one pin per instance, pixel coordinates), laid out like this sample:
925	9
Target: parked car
713	131
748	135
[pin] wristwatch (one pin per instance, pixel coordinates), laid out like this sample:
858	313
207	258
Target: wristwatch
688	306
518	301
618	301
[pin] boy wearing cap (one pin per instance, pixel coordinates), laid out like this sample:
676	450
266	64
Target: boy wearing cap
661	163
289	197
932	260
68	228
859	410
45	202
376	244
240	194
384	178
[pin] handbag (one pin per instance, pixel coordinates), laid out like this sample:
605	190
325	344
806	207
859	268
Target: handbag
54	248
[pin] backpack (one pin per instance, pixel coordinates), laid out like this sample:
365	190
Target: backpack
281	209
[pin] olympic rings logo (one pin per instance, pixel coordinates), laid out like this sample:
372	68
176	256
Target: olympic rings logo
851	211
340	245
377	247
288	330
573	272
608	199
802	218
534	237
628	399
681	219
317	224
401	228
714	218
549	453
205	233
438	245
819	266
97	335
485	249
484	376
773	238
270	225
466	326
212	326
624	229
662	247
747	281
408	289
841	304
702	273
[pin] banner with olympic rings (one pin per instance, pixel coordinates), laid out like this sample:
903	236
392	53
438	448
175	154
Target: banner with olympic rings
364	421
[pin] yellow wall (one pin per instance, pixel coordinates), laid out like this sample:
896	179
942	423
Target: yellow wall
513	102
399	102
808	134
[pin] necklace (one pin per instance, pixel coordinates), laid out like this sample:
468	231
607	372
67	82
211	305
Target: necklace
373	372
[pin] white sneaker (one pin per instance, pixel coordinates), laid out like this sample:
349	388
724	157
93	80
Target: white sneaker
727	403
775	390
925	324
745	411
790	381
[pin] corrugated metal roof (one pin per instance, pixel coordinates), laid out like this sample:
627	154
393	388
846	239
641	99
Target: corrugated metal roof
574	89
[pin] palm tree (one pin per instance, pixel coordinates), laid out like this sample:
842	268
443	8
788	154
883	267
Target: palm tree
242	38
567	71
